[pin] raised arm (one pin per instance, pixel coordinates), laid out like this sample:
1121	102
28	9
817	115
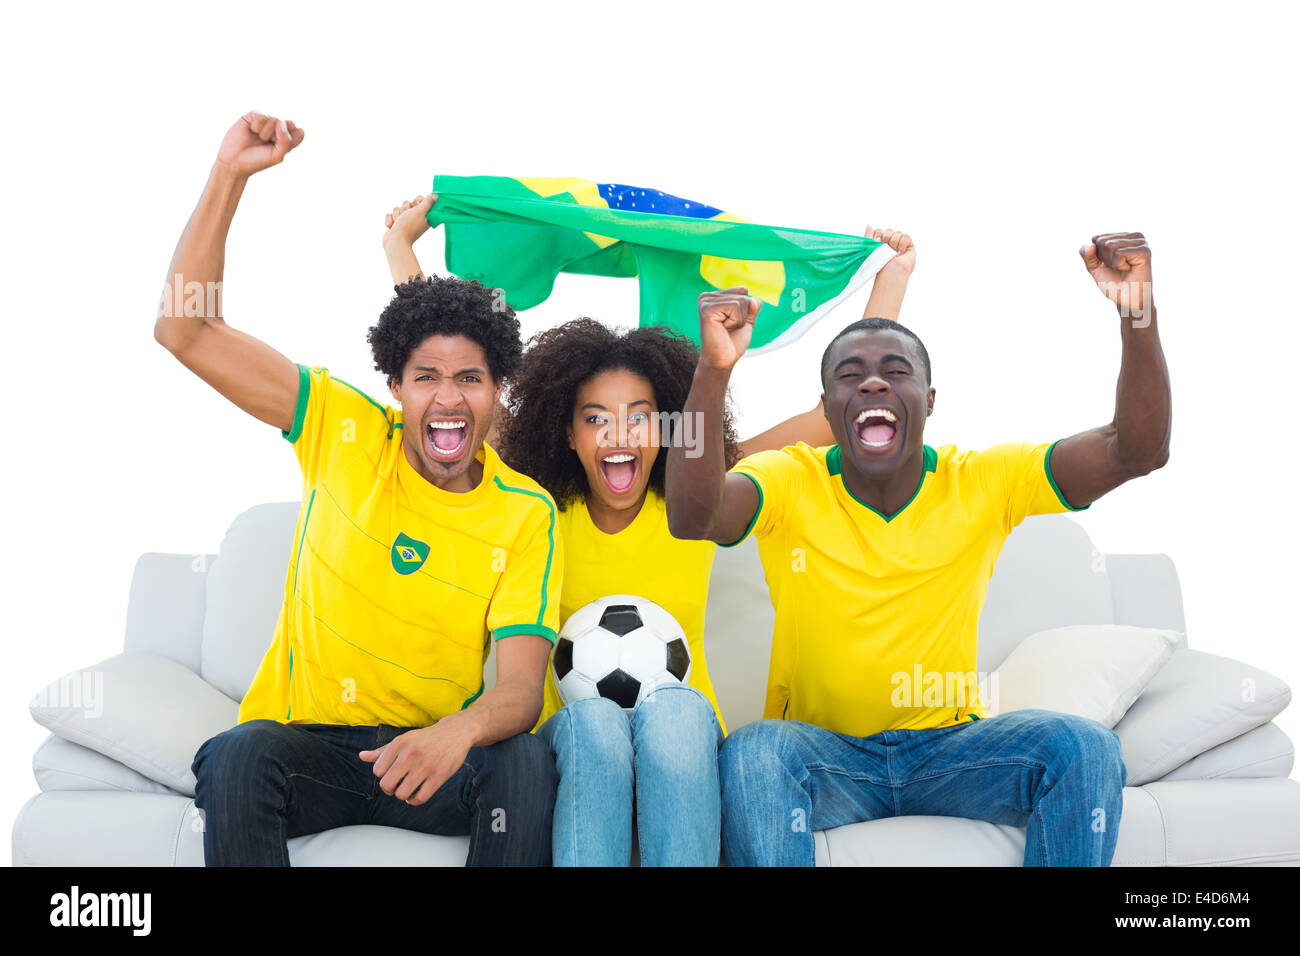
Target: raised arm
886	299
190	323
403	226
885	302
702	500
1136	442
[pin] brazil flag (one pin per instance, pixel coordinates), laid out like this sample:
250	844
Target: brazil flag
519	234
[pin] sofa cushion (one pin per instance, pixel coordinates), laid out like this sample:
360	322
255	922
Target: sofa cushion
145	711
1265	751
1210	823
1094	671
245	593
62	765
1196	702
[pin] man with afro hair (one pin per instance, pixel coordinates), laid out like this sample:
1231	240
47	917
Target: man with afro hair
416	549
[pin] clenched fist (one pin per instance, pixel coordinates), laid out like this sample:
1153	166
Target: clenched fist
1120	264
726	326
257	141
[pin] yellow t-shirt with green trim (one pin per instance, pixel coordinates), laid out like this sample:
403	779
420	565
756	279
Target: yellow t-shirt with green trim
877	618
642	559
395	586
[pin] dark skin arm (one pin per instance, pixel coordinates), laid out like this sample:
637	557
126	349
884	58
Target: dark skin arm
1136	441
702	500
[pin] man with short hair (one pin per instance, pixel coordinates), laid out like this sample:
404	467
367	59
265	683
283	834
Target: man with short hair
415	548
878	551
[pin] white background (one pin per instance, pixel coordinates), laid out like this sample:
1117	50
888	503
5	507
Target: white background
1002	137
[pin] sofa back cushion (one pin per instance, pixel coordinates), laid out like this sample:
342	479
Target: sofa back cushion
244	596
1049	575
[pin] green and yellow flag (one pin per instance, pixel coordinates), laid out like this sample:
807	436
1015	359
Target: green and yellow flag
519	234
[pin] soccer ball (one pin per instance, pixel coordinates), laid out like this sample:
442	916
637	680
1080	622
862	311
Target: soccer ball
620	647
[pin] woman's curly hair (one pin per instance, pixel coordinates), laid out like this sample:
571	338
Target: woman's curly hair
445	305
533	438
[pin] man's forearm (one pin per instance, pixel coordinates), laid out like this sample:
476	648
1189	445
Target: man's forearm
200	254
694	485
510	708
1143	401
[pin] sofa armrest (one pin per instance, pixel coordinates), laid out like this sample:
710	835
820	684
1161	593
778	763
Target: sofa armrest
142	710
59	764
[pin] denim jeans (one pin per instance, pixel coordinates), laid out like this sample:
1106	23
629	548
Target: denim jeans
1059	776
667	753
262	782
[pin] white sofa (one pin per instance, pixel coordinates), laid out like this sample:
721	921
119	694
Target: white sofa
1208	770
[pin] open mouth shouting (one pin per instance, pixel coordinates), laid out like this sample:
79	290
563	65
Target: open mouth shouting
619	471
446	438
877	429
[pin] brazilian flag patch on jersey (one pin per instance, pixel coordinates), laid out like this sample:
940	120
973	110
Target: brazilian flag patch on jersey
408	554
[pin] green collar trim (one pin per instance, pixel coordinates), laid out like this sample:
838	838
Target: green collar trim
835	466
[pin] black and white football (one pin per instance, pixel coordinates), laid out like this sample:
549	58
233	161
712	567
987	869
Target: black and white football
620	647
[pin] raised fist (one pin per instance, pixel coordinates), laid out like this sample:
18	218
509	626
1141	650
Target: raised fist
1120	264
726	325
257	141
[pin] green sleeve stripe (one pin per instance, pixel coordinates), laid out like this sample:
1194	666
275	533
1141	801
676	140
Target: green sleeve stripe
541	630
550	539
1047	467
300	410
757	511
477	694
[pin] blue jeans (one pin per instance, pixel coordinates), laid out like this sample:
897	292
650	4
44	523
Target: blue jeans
263	782
1061	777
668	751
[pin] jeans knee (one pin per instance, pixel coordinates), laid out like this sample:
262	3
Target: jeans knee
232	753
528	756
1071	738
594	729
754	749
675	732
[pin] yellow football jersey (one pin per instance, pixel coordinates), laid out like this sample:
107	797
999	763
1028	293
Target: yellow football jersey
395	586
642	559
877	615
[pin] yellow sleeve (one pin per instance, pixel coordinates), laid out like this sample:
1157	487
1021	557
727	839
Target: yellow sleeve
527	596
779	478
1020	475
334	420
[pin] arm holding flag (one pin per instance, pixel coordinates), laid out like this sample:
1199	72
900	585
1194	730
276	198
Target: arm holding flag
886	299
885	302
403	226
